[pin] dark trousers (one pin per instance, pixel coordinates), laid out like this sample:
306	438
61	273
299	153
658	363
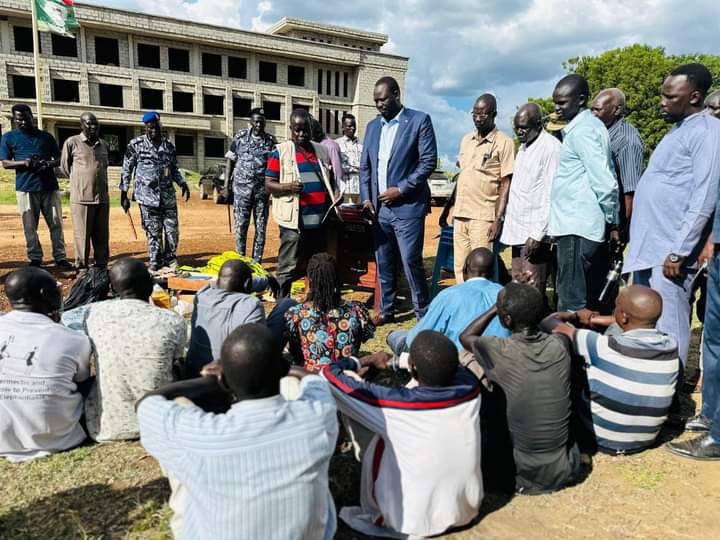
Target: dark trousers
397	238
296	247
91	224
537	265
581	272
711	349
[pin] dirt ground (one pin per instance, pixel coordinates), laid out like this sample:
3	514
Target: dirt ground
116	491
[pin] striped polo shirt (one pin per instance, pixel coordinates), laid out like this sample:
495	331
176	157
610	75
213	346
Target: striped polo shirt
632	382
314	200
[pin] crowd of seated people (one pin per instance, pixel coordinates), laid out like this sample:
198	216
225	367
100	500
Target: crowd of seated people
559	388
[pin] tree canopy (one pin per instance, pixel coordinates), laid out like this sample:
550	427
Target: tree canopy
637	70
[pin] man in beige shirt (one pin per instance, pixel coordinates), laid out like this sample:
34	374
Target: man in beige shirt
85	160
481	193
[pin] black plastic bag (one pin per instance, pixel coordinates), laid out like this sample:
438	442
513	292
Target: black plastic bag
92	286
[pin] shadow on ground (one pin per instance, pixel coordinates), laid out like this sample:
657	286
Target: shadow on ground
91	511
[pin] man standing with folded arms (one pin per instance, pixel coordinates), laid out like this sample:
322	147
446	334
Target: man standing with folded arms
675	199
84	160
583	199
399	155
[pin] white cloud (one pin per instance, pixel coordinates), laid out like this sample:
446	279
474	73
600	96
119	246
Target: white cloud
460	49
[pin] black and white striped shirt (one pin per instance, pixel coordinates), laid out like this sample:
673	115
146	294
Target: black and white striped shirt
627	151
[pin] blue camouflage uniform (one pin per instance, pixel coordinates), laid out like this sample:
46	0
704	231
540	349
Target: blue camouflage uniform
250	155
155	170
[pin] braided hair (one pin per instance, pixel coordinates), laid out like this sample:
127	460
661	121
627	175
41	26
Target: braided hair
324	285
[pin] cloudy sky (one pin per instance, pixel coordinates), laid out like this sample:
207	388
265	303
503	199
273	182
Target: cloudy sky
460	49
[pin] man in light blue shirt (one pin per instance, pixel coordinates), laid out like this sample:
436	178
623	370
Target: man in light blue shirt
456	307
261	469
584	198
675	199
387	138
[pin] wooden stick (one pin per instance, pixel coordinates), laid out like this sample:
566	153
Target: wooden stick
229	219
132	225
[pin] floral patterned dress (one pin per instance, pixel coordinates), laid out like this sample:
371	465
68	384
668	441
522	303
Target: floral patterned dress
318	338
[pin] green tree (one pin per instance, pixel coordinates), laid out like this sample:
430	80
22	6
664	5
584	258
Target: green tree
638	70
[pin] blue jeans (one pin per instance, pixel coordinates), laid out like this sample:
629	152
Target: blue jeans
711	350
397	341
675	318
579	277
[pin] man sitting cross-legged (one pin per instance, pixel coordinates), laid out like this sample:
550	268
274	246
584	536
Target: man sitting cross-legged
420	444
261	469
41	364
631	376
532	369
136	344
455	307
220	309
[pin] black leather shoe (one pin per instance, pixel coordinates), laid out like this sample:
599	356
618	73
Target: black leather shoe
701	448
698	423
36	263
65	265
381	320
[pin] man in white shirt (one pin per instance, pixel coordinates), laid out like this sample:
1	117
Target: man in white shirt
136	344
41	364
528	208
350	151
261	469
420	445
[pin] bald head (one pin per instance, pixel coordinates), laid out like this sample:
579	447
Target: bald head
235	276
712	103
34	290
479	263
89	125
531	111
638	307
252	364
130	279
528	123
489	100
609	106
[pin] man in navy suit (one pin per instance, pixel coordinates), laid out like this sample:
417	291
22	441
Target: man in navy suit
399	155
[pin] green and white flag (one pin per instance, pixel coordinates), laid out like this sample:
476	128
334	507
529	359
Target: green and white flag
56	16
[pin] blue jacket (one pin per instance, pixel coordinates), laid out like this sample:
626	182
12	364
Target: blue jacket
412	160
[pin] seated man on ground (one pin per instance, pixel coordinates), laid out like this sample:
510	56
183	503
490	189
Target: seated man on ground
220	309
532	369
455	307
135	344
631	376
261	469
41	364
326	328
420	445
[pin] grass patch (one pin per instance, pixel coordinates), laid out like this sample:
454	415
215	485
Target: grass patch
642	476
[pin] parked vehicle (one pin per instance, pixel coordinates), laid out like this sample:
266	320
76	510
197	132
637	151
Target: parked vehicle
441	187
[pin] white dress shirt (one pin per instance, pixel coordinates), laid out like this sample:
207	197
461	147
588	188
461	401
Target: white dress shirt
528	206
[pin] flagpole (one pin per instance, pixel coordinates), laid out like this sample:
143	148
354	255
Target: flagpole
36	57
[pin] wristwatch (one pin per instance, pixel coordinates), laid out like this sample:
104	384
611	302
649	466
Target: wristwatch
675	258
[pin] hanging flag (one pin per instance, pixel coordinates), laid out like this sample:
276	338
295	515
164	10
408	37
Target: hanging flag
56	16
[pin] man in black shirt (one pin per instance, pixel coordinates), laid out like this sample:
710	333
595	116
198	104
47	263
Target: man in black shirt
532	369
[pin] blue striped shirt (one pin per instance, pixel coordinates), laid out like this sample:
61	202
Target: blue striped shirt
632	382
258	471
628	151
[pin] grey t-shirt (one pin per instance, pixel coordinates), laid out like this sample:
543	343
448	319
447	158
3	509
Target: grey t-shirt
534	373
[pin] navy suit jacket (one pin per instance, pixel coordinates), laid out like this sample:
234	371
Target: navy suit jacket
412	159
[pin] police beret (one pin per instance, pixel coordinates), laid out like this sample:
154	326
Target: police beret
150	116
